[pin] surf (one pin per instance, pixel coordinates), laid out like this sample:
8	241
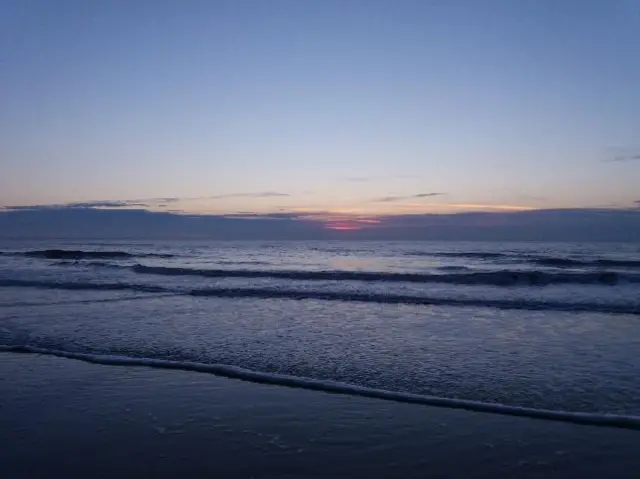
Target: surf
489	278
69	254
335	387
344	296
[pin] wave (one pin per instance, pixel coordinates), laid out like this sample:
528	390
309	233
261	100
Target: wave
262	263
293	294
490	278
119	265
73	286
86	264
534	259
76	254
453	268
460	254
236	372
569	262
32	304
65	254
529	305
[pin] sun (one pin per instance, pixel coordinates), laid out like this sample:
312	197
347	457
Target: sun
343	226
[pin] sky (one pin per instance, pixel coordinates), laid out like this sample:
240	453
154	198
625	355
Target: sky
328	108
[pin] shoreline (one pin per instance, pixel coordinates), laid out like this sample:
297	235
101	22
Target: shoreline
63	416
333	387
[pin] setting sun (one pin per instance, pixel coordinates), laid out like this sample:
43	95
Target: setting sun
344	226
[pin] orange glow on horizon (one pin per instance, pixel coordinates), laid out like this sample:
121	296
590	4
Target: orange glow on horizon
342	227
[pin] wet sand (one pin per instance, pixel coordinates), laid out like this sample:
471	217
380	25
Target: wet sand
66	418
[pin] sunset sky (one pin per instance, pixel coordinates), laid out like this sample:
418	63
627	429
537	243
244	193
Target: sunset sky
372	107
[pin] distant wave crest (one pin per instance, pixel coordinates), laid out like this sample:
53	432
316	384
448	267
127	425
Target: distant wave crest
460	254
294	294
92	264
571	262
552	261
490	278
67	254
80	286
594	419
453	268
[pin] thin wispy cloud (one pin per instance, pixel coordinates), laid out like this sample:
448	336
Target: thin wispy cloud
139	203
81	205
427	195
106	204
623	158
263	194
390	199
473	206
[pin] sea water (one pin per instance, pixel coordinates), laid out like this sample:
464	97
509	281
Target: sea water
549	330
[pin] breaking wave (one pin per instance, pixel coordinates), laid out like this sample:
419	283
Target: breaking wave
87	264
490	278
294	294
73	286
65	254
597	263
460	254
553	261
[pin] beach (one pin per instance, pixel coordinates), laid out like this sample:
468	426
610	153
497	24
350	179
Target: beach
67	418
311	359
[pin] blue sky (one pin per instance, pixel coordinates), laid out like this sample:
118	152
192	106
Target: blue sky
345	106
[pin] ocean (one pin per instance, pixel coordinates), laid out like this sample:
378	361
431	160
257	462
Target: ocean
537	329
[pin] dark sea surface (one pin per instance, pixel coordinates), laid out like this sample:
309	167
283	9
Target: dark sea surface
547	327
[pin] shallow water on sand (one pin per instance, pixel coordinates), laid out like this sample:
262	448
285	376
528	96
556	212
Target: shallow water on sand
66	418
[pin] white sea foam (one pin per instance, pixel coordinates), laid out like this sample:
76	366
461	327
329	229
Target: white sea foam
594	419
